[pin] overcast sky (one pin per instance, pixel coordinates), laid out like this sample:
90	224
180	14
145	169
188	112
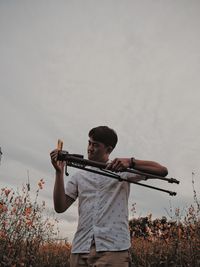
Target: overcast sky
67	66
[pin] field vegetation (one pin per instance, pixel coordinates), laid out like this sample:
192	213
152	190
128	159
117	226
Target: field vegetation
28	237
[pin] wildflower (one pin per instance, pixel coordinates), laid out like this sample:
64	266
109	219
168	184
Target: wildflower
191	210
41	183
7	192
13	211
3	207
28	211
5	223
29	222
2	234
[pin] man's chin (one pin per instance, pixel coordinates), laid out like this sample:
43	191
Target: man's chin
91	157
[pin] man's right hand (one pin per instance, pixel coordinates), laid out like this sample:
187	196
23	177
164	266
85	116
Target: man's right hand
58	165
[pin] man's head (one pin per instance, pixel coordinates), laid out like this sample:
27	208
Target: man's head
101	143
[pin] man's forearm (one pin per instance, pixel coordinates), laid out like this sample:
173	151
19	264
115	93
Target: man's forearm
150	167
59	196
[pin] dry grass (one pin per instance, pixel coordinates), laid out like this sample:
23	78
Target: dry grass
27	236
24	229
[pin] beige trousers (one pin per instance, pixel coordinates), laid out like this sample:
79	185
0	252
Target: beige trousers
101	259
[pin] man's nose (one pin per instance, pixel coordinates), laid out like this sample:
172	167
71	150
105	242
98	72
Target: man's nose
90	147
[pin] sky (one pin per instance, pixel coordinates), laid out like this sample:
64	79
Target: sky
68	66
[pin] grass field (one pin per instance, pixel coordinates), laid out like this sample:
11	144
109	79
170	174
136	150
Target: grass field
28	237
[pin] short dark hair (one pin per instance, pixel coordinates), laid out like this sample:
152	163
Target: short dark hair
105	135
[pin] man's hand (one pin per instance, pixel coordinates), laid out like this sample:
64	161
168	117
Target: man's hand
119	164
58	165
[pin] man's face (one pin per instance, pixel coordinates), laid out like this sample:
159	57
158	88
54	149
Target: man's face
97	151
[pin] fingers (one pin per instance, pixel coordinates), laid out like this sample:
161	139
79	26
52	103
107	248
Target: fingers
54	155
117	165
58	165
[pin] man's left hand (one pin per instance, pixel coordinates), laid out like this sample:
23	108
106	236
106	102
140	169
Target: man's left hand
119	164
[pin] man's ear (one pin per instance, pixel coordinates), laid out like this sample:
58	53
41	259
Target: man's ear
109	149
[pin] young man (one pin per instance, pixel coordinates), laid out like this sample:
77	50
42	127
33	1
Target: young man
102	237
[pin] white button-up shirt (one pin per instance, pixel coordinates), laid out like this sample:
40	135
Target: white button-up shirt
102	209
